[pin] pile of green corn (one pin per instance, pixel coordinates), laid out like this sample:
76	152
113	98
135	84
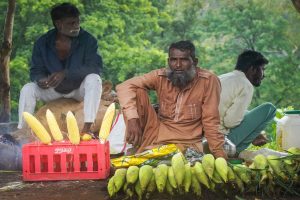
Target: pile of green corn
265	174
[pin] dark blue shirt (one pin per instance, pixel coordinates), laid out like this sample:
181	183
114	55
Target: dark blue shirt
83	59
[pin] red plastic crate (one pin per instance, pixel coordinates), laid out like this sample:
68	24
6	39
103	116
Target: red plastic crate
65	161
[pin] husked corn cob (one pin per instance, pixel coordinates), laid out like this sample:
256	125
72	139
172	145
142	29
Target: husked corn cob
37	128
111	187
260	162
169	188
294	150
107	122
216	177
127	190
171	178
201	175
239	183
276	166
73	130
243	172
221	168
230	175
138	190
187	181
196	188
53	126
120	178
208	163
132	174
151	185
161	176
145	175
178	168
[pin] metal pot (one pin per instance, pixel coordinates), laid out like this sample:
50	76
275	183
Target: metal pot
229	147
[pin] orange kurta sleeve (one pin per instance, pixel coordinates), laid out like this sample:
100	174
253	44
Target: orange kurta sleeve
211	118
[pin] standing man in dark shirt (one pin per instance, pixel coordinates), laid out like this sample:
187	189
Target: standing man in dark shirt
65	64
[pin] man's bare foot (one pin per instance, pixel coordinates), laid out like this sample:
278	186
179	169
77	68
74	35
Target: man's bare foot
260	140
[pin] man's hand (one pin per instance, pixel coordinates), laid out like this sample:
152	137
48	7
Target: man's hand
43	83
134	132
56	78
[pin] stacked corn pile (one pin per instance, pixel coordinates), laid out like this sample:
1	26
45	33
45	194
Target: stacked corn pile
265	174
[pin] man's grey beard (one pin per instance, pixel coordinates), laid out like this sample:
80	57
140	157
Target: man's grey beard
181	79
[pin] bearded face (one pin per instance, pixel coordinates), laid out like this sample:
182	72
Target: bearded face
69	26
181	78
182	67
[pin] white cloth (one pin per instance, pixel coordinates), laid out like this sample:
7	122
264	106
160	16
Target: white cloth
89	91
117	138
236	96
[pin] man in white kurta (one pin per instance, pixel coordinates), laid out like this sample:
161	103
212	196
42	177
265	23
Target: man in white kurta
243	127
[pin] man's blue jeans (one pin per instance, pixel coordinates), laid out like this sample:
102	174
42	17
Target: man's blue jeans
253	123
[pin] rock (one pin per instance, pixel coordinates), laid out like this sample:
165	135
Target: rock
10	153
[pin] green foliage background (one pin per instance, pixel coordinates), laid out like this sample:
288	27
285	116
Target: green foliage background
133	36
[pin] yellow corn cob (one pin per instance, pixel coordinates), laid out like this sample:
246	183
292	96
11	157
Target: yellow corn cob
73	129
221	168
37	128
86	137
53	126
107	122
208	163
161	176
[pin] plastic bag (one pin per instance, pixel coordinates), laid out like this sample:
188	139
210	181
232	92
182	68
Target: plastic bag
149	157
248	155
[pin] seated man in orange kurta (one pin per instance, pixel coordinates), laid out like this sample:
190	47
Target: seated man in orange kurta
188	104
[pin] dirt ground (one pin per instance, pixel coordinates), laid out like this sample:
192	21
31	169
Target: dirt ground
12	187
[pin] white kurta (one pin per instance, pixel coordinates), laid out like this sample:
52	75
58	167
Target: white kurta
236	96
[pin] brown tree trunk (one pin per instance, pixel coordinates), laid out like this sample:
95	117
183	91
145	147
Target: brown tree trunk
5	52
297	4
